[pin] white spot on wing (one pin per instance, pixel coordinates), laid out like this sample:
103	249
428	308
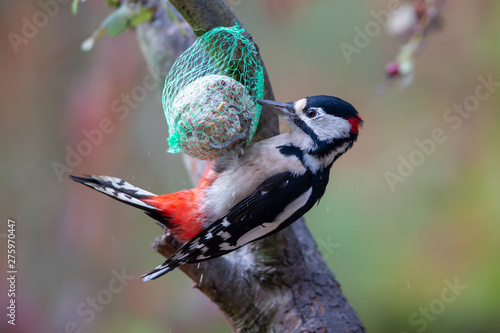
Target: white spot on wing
196	246
225	235
226	246
181	256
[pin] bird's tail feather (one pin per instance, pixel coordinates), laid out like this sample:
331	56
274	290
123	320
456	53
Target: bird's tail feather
153	205
156	273
122	191
177	259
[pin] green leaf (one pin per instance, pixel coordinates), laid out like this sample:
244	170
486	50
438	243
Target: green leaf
129	14
144	15
117	21
113	3
74	6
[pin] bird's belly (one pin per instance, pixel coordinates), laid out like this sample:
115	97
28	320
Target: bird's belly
234	185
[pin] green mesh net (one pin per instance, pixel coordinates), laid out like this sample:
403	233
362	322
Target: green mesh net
211	92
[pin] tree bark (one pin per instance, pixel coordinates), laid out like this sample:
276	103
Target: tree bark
278	284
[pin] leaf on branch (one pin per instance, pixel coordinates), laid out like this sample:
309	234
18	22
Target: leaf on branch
144	15
74	6
117	21
127	15
113	3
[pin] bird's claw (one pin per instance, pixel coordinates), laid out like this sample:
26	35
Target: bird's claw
228	143
241	113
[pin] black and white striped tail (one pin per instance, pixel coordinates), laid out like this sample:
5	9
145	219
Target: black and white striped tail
122	191
125	192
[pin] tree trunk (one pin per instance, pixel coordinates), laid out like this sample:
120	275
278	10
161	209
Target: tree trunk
278	284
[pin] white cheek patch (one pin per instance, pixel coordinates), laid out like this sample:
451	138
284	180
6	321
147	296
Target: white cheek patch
330	127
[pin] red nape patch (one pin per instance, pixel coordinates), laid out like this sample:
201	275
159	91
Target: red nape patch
182	209
355	124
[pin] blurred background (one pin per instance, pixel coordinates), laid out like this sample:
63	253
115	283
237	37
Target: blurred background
418	253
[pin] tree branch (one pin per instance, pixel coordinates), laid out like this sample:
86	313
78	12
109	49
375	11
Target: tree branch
281	283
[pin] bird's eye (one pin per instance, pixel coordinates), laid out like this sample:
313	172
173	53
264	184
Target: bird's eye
311	113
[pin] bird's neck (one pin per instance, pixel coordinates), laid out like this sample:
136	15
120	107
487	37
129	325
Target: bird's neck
323	156
316	156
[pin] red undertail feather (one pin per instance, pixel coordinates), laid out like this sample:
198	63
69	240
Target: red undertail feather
182	210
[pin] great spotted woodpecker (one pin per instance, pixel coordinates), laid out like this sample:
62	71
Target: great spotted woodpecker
244	197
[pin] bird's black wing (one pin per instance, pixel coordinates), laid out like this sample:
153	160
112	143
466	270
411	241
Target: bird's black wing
278	201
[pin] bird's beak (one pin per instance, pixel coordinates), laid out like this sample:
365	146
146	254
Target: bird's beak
286	109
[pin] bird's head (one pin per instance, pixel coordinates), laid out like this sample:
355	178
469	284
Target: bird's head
325	119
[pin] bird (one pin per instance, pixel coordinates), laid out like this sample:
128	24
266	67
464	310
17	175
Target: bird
245	196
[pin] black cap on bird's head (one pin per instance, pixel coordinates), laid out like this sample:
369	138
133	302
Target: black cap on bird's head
336	107
325	117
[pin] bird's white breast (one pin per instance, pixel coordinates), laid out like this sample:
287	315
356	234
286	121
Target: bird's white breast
258	162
